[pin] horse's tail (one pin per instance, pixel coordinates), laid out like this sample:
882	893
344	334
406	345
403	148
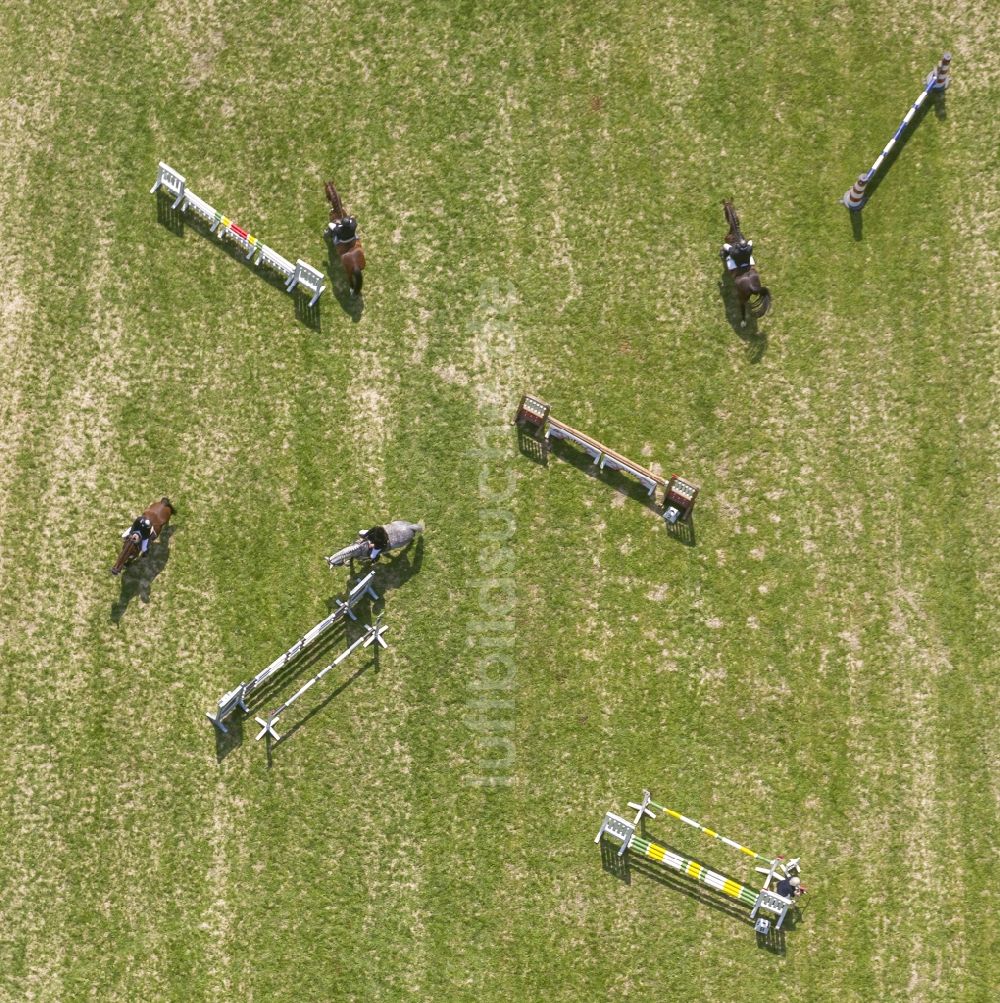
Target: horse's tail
166	501
762	303
356	282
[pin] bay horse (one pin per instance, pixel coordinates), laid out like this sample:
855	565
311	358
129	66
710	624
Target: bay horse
158	514
351	253
746	279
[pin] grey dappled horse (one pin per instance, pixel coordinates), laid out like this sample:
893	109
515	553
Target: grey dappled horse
391	536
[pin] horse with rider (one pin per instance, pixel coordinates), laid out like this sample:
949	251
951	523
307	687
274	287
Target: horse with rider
342	230
737	255
144	529
372	543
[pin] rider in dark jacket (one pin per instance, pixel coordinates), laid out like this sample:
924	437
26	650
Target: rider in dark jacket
344	230
378	540
740	254
144	528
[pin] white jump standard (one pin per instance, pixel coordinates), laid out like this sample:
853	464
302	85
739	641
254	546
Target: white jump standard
299	274
776	895
372	635
938	80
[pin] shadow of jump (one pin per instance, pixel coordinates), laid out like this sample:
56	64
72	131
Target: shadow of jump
623	868
935	100
534	449
683	531
167	216
372	663
232	740
137	577
614	479
320	653
176	221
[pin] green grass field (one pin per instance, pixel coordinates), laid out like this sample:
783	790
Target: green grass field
812	671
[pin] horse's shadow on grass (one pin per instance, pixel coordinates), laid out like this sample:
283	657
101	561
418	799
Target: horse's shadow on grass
175	221
394	573
353	305
754	339
137	578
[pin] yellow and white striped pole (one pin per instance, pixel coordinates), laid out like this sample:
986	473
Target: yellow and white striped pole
712	833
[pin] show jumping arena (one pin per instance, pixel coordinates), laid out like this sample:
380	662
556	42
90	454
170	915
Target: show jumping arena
751	565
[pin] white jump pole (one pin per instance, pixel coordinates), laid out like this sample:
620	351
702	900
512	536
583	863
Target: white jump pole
372	635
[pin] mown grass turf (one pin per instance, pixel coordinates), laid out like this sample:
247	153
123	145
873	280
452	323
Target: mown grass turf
539	190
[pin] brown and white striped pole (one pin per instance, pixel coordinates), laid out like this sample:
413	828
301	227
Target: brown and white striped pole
854	198
941	74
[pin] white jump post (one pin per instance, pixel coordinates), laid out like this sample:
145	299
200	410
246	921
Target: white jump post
622	828
168	178
362	586
237	697
938	80
372	635
306	276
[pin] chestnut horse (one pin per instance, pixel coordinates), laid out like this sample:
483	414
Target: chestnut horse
351	253
158	514
746	279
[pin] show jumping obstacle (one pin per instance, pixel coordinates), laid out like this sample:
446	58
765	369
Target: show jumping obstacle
237	698
938	80
679	495
767	899
299	274
372	635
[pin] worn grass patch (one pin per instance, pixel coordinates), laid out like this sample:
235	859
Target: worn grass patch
539	190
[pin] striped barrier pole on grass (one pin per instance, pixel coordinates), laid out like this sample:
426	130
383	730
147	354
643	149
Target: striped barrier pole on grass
938	80
693	869
711	832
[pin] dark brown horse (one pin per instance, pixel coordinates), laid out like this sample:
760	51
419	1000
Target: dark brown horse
158	514
746	279
351	253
